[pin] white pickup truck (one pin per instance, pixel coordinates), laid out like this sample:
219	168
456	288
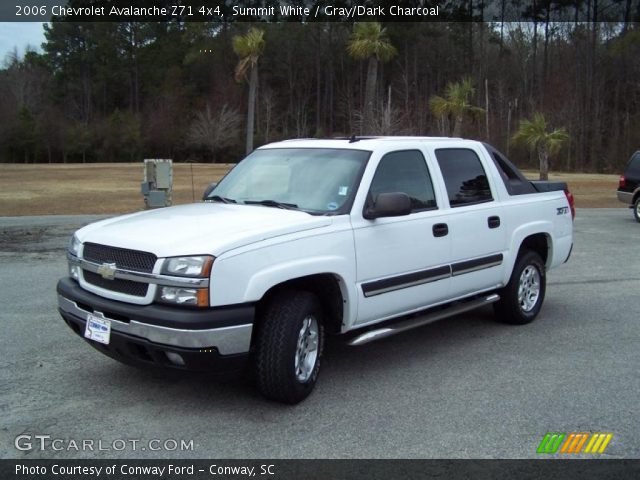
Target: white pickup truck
363	236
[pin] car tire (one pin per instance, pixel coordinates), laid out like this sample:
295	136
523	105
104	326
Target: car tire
289	345
522	298
636	209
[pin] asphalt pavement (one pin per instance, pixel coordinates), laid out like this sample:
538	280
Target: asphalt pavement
465	387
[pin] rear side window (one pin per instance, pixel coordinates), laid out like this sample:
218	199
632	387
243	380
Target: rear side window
405	171
464	176
514	181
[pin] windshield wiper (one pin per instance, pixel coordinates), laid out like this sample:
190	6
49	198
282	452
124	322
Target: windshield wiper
218	198
272	203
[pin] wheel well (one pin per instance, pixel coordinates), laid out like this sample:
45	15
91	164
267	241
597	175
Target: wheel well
325	285
538	243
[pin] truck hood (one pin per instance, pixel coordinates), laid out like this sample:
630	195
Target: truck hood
200	228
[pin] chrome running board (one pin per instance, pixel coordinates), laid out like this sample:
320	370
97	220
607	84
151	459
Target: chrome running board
414	322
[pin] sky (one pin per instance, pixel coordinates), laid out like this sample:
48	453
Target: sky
19	35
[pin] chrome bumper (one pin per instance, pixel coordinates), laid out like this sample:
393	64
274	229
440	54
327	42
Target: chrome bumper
227	340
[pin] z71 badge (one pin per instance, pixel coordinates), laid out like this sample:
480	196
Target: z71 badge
563	210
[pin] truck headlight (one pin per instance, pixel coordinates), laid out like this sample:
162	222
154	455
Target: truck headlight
74	246
197	266
184	296
74	249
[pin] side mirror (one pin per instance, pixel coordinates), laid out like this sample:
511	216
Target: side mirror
393	204
208	190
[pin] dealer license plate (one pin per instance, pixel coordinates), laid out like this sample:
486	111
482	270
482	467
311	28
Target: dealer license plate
98	329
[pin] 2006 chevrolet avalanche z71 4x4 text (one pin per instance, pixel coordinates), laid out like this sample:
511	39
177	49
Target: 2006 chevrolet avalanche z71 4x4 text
362	236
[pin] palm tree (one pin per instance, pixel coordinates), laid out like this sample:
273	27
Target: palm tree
534	134
249	47
369	41
456	103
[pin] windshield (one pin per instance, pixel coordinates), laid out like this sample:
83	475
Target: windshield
316	180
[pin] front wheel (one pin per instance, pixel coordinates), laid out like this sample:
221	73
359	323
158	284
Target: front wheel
521	300
636	209
289	346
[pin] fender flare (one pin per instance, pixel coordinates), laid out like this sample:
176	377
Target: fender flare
518	237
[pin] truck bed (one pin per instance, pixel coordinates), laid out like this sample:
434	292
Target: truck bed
548	186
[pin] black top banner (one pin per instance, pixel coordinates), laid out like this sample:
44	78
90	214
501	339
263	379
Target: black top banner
320	11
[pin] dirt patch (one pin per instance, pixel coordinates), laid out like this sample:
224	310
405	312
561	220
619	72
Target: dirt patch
590	190
111	188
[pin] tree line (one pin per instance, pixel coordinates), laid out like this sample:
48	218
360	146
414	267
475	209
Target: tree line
111	92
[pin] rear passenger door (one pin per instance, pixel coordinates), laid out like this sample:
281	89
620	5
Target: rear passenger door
402	262
478	237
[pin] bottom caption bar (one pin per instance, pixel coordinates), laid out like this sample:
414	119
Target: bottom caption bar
315	469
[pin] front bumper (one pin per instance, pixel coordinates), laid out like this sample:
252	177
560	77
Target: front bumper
216	339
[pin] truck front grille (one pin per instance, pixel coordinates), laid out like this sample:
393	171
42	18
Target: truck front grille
128	287
135	260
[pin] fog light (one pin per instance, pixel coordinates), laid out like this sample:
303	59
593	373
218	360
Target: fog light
74	272
175	358
185	296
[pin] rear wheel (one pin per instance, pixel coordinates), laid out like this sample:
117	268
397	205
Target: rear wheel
289	346
636	209
522	298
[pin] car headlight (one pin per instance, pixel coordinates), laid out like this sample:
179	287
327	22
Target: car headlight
74	246
197	266
74	249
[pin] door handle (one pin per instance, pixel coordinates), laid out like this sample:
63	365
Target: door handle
440	230
493	222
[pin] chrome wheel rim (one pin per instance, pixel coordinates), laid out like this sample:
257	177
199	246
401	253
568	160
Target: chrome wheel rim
529	288
307	349
637	209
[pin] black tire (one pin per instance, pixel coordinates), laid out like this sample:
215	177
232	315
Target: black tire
636	209
279	331
510	308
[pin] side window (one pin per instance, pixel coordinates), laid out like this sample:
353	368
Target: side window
503	167
464	176
514	181
406	172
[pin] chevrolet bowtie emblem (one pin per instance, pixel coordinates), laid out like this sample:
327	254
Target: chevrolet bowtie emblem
107	271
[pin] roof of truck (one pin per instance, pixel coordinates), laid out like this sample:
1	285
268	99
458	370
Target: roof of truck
360	142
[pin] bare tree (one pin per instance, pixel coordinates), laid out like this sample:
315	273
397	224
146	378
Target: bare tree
214	132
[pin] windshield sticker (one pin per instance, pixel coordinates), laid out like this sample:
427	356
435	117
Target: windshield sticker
332	206
342	191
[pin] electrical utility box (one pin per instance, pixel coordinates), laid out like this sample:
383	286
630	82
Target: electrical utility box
158	182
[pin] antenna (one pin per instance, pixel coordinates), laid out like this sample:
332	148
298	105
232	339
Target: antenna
193	191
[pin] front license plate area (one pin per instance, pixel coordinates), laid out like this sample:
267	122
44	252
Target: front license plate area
98	329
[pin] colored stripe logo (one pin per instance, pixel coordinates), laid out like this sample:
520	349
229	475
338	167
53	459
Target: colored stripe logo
574	442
